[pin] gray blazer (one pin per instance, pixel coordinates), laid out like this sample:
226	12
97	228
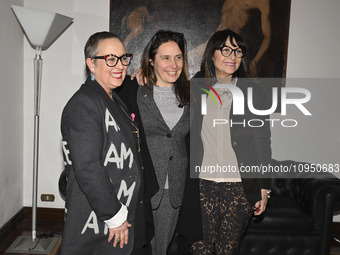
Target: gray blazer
167	147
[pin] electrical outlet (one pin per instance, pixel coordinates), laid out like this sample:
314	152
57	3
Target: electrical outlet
47	197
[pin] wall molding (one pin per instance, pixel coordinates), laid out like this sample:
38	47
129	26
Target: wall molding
45	214
10	225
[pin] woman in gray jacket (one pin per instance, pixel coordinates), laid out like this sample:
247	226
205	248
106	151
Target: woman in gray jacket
164	107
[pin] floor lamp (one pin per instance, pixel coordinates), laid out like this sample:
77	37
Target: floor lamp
41	29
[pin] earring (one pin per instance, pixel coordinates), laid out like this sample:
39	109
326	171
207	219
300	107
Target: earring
92	76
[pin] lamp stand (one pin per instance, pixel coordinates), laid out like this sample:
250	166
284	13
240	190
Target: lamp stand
41	28
37	93
26	244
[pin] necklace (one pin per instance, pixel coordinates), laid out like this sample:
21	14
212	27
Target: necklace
131	122
137	129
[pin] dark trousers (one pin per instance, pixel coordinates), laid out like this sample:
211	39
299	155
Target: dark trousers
165	219
145	250
225	215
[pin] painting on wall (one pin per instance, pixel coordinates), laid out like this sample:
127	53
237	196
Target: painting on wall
264	25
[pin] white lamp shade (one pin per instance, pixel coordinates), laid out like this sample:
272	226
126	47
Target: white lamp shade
42	28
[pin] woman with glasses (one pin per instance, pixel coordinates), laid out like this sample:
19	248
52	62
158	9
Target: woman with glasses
163	104
228	198
103	148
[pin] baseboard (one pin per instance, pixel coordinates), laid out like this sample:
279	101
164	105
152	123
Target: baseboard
46	214
10	225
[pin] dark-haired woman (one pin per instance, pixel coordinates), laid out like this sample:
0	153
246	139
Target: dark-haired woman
229	198
164	108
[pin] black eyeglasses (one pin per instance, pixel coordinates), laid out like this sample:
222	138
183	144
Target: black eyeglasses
227	51
112	60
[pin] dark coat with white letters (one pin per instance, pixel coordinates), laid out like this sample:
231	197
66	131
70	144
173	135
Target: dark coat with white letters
104	170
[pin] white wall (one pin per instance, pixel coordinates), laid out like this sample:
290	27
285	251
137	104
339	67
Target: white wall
313	53
63	73
314	39
11	112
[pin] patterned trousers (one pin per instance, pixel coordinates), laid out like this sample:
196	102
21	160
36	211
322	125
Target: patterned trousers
225	215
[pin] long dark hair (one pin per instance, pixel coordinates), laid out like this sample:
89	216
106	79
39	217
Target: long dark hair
182	85
215	42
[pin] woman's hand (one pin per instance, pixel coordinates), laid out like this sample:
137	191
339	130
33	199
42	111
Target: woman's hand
137	74
120	234
260	206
